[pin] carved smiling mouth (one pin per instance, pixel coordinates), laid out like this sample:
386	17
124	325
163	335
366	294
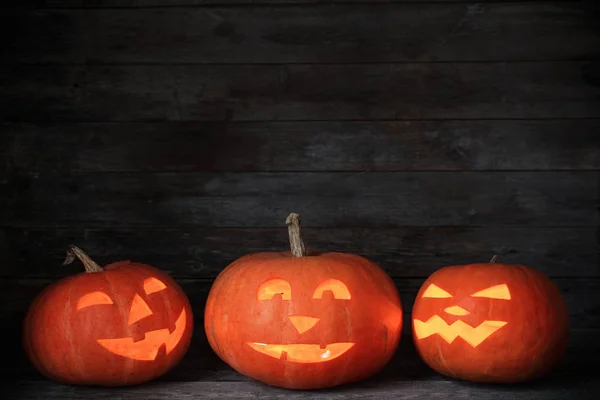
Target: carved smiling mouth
302	353
147	348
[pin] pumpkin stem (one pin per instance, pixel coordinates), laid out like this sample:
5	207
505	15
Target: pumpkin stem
89	264
493	260
295	233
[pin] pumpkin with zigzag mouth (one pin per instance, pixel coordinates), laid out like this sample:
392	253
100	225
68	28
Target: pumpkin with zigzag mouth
490	322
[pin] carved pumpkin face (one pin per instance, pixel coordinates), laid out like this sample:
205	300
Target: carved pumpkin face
306	321
303	352
473	335
146	349
321	321
127	324
490	322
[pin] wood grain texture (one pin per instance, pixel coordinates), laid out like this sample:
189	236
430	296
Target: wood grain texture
576	388
302	146
300	92
336	33
382	200
401	252
220	3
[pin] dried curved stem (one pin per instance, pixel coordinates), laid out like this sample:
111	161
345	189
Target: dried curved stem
74	252
295	233
493	260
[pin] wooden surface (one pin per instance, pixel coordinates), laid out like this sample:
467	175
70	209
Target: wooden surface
416	133
190	252
490	145
362	33
300	91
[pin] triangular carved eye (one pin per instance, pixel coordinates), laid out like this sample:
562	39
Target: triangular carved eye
153	285
436	292
494	292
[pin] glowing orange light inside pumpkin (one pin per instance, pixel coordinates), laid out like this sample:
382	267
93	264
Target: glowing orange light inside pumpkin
436	292
339	290
301	323
302	353
153	285
494	292
147	349
139	310
456	310
270	288
473	336
92	299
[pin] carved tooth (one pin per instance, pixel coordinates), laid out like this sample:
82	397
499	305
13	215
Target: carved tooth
283	356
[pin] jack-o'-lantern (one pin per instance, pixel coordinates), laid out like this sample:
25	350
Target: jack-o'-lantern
303	320
123	324
490	322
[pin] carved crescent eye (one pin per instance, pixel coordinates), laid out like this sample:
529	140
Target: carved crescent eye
93	299
338	288
436	292
270	288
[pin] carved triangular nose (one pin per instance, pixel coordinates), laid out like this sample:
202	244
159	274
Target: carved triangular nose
302	324
456	310
139	310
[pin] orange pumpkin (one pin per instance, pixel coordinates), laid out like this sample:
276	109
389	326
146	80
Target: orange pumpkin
303	320
490	322
123	324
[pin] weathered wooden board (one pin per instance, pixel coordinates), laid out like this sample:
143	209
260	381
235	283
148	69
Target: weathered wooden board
217	3
300	92
381	200
401	252
567	386
303	146
465	31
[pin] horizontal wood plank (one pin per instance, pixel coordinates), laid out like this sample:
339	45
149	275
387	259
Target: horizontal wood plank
303	146
343	33
212	3
300	92
568	387
201	364
401	252
323	199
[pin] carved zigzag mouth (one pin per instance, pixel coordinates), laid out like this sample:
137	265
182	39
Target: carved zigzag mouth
472	335
147	348
302	353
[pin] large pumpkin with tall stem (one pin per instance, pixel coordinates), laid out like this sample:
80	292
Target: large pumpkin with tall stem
303	320
490	322
123	324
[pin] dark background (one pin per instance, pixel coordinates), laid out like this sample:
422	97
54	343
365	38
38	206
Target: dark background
416	133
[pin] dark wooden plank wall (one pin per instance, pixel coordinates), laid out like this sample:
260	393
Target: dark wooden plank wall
419	134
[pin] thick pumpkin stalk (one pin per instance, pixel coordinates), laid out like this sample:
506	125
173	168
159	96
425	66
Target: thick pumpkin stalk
493	260
295	233
89	264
